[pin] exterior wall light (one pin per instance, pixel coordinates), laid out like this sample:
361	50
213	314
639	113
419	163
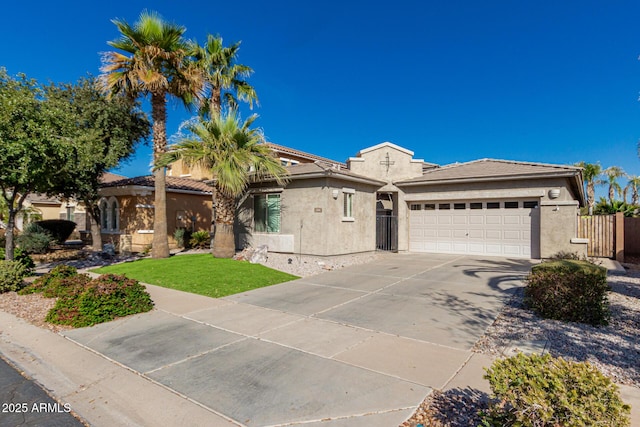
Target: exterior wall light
554	193
335	194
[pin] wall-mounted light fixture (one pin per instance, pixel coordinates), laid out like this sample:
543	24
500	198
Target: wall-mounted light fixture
335	194
554	193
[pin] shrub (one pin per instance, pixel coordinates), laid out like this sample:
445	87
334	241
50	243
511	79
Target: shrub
11	275
101	300
566	255
183	238
22	257
51	279
59	229
34	239
543	391
200	239
569	290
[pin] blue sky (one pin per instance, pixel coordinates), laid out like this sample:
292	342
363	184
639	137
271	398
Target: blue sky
545	81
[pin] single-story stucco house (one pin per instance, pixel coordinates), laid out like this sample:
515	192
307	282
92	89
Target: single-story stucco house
385	199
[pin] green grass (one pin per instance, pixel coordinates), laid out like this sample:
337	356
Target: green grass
200	274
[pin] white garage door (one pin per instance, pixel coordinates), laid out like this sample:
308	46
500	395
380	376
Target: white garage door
485	227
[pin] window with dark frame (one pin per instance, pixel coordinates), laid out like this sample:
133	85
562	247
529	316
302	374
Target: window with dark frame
475	205
493	205
429	206
444	206
511	205
530	204
459	206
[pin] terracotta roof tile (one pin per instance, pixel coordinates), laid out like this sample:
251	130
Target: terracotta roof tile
311	157
490	168
173	183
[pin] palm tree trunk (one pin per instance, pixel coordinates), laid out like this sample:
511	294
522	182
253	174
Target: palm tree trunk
96	235
591	195
224	242
215	102
160	245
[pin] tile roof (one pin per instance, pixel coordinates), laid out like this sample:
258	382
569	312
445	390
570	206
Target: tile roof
312	157
490	169
173	183
318	169
110	177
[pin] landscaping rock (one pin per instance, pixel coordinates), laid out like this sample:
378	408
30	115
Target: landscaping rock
259	255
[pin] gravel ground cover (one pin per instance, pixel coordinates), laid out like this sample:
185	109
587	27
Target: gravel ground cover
614	349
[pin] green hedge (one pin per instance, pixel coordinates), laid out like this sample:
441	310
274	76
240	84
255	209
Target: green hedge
12	274
569	290
543	391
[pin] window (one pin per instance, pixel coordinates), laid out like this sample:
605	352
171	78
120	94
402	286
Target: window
530	204
348	205
416	207
266	213
71	213
109	215
459	206
511	205
493	205
429	206
444	206
475	205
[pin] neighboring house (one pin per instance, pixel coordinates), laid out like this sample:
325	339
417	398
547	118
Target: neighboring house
126	210
385	199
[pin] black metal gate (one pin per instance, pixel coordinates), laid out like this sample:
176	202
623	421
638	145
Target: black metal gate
387	233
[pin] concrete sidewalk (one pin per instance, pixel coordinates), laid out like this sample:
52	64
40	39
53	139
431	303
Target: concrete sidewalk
361	346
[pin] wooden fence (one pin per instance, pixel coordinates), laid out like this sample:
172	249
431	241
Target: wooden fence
601	232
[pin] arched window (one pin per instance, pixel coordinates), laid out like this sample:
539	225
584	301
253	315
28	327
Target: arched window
104	215
109	215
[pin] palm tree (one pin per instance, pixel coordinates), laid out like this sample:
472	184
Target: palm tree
591	175
221	73
155	63
633	185
613	173
235	155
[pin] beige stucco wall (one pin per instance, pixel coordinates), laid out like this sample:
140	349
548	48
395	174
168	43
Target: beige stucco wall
136	218
312	219
179	169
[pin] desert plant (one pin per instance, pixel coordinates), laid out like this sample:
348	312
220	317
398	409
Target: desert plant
569	290
59	229
22	257
11	275
544	391
182	237
34	239
200	239
101	300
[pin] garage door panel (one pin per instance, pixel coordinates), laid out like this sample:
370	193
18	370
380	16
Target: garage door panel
476	219
493	234
511	235
499	231
493	220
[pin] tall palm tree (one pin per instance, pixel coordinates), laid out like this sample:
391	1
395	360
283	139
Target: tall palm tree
155	62
612	174
224	78
633	185
235	155
591	174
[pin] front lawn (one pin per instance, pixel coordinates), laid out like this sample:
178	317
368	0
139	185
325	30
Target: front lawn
200	274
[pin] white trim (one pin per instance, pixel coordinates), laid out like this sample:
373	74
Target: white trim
143	206
266	190
348	190
476	195
348	219
386	144
579	240
144	231
356	159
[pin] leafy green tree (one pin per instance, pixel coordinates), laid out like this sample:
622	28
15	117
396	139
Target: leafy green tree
31	131
612	173
155	63
591	173
103	133
224	78
235	154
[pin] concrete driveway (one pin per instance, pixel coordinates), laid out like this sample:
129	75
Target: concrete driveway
360	346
